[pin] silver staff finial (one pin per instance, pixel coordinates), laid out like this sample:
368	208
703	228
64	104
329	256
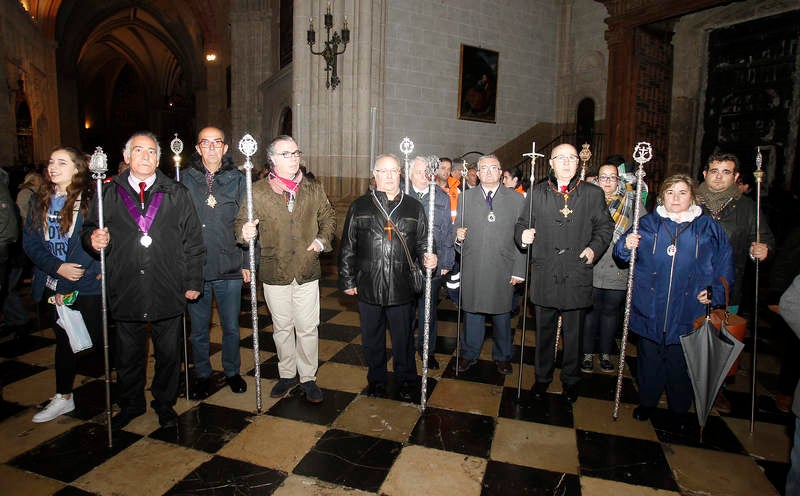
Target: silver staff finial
406	146
433	165
176	145
642	153
759	159
248	147
99	163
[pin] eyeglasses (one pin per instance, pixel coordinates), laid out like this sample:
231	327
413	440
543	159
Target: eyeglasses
608	179
294	154
488	168
720	172
565	158
207	143
388	172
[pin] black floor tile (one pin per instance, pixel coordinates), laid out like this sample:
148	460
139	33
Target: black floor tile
268	368
246	318
326	314
716	434
90	399
74	453
505	479
602	386
485	372
9	409
223	476
776	473
72	491
465	433
295	406
393	388
15	347
12	371
624	459
446	345
205	427
353	354
530	354
553	409
265	341
348	459
338	332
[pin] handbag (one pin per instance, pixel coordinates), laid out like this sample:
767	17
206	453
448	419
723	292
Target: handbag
72	322
735	324
416	278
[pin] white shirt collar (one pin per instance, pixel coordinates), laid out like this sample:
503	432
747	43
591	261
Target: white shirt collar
134	182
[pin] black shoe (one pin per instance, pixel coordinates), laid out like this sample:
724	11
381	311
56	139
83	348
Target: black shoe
376	390
605	363
571	392
124	417
642	413
465	364
587	364
199	390
312	391
539	389
406	391
504	367
236	383
167	417
282	387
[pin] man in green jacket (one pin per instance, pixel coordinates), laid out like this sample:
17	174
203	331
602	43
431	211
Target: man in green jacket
294	222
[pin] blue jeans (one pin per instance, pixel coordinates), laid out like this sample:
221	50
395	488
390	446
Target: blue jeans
793	477
229	301
475	330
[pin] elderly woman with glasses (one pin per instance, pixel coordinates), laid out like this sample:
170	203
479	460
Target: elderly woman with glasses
610	279
680	253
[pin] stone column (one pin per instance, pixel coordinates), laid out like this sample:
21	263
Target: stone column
334	125
621	93
251	64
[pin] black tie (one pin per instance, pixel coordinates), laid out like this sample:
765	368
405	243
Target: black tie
421	194
489	200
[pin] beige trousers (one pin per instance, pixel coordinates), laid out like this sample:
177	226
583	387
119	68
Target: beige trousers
295	322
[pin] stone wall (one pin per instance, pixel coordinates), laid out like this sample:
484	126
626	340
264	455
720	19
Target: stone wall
423	40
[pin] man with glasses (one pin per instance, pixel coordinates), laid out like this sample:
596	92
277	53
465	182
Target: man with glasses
217	189
567	226
721	198
491	264
294	222
373	265
154	250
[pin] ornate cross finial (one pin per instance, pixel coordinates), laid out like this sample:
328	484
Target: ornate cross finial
758	174
584	155
98	163
432	167
642	153
406	146
176	145
248	147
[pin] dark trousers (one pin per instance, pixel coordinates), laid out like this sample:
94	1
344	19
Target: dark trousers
602	321
571	328
131	361
663	366
66	362
373	338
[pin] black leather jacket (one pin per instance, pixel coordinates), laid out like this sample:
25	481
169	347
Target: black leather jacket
369	261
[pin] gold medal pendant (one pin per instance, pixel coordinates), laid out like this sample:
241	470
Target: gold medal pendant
566	211
211	201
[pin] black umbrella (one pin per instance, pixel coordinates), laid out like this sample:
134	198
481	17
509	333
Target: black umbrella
709	353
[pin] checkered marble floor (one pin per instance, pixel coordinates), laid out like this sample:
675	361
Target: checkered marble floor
475	436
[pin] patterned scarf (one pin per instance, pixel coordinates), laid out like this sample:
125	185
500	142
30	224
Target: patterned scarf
620	205
287	187
716	202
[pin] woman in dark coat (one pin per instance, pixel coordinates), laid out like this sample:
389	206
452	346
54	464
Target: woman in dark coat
52	241
680	253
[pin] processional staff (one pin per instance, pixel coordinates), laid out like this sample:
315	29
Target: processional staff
431	170
248	147
406	147
642	154
176	145
464	172
758	174
532	155
98	165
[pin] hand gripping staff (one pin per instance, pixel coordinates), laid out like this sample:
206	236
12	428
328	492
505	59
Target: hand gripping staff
532	155
248	147
642	154
433	166
98	165
176	145
758	174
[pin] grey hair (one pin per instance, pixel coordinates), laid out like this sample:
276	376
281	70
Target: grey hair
278	139
486	157
146	134
385	155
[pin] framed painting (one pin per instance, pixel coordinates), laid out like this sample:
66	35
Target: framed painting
477	84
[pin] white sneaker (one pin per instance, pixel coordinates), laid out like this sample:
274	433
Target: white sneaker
58	406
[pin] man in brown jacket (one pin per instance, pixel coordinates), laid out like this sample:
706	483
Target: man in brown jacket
295	222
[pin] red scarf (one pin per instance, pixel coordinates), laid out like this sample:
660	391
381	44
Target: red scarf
284	186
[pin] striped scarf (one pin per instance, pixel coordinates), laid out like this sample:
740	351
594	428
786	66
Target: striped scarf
620	205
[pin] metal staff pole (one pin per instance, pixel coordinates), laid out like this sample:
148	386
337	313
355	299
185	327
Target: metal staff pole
98	165
642	154
176	145
464	172
758	174
406	147
433	167
248	147
532	156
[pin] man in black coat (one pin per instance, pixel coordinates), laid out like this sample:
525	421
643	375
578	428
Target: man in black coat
572	228
373	266
154	251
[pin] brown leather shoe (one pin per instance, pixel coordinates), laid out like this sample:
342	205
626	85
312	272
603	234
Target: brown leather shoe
464	364
504	367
